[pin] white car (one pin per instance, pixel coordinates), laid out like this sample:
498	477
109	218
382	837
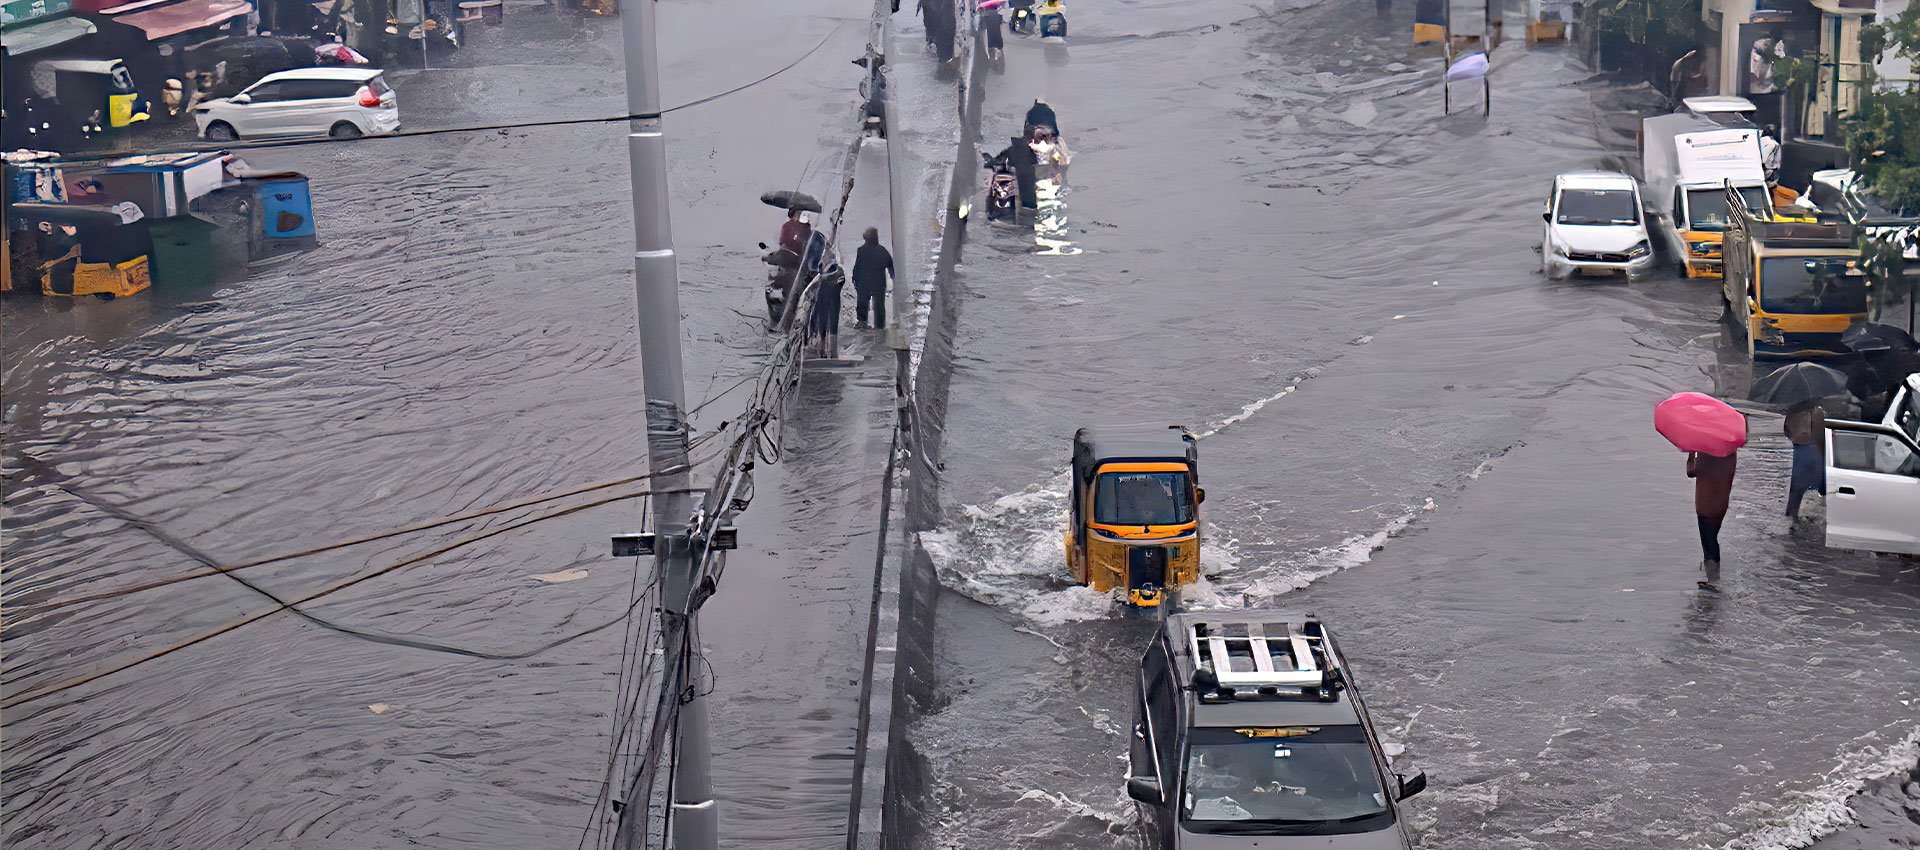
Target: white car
1873	478
345	103
1594	224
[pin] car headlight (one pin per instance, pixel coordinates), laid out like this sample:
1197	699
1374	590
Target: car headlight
1639	249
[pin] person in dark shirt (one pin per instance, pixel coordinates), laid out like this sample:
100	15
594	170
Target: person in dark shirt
1041	115
990	23
794	233
1806	428
1712	492
871	266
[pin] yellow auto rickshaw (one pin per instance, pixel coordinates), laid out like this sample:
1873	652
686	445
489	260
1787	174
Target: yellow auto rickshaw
87	249
99	93
1135	520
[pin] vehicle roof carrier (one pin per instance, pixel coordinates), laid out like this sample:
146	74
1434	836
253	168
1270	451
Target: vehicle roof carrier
1262	660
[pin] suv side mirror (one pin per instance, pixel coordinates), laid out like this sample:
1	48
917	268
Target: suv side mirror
1411	785
1146	789
1546	215
242	97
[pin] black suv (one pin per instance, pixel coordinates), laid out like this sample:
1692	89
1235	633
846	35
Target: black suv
1247	733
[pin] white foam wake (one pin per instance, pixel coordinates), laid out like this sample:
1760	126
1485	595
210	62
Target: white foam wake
1807	816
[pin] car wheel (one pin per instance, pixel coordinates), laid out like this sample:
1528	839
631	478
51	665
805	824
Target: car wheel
345	130
221	131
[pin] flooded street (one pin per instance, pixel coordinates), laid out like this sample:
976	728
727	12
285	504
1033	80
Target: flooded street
1270	233
462	339
1283	244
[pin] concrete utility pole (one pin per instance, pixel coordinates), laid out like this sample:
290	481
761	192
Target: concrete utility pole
657	287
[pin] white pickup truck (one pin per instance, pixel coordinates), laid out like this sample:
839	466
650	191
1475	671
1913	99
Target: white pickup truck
1873	478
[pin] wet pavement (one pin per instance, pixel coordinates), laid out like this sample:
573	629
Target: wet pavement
1280	241
462	338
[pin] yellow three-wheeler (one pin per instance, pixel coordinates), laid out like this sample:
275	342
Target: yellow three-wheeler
1135	520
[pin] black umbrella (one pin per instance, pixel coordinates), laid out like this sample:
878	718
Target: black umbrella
1798	383
1888	353
1872	336
788	199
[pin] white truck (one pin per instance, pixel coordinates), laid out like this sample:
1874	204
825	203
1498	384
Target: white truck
1686	163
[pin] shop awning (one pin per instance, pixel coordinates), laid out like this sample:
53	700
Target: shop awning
21	39
158	22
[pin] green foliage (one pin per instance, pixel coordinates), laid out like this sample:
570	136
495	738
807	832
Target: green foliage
1800	74
1882	260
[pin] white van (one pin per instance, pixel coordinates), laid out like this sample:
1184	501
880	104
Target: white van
1594	224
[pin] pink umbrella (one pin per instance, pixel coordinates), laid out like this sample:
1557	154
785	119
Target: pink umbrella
989	4
1696	422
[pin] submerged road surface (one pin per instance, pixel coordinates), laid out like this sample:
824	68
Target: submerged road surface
462	338
1273	235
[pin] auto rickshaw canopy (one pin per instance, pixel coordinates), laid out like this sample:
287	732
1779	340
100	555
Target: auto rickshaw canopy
1101	444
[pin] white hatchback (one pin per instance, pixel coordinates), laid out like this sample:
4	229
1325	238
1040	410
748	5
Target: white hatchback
344	103
1594	224
1873	478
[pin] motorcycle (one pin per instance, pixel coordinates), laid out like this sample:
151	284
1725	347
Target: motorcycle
1003	189
783	268
1022	21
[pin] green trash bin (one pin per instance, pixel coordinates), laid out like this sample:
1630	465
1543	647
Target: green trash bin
183	252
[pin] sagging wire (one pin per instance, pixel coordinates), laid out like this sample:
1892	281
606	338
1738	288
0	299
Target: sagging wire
627	695
376	637
29	610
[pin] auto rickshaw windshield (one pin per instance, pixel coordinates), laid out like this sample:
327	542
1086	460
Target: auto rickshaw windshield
1143	498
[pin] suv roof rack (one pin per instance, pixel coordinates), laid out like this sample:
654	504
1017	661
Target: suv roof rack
1261	656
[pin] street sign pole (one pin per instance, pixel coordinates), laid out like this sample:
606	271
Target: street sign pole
657	291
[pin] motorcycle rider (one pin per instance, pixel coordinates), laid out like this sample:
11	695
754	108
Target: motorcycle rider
794	233
1041	115
1021	16
1054	10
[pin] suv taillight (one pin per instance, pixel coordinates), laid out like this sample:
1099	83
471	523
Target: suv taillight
368	98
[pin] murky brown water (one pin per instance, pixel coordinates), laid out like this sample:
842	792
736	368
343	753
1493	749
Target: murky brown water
462	338
1287	245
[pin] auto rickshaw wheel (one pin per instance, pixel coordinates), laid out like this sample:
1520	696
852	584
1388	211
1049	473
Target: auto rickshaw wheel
104	296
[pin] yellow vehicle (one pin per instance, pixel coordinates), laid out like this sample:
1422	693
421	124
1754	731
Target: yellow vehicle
87	249
1792	287
1135	520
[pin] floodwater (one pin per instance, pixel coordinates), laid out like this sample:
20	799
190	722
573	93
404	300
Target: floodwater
462	338
1282	242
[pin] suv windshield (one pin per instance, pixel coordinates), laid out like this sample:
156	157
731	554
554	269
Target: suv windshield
1142	498
1811	285
1707	208
1278	781
1597	206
